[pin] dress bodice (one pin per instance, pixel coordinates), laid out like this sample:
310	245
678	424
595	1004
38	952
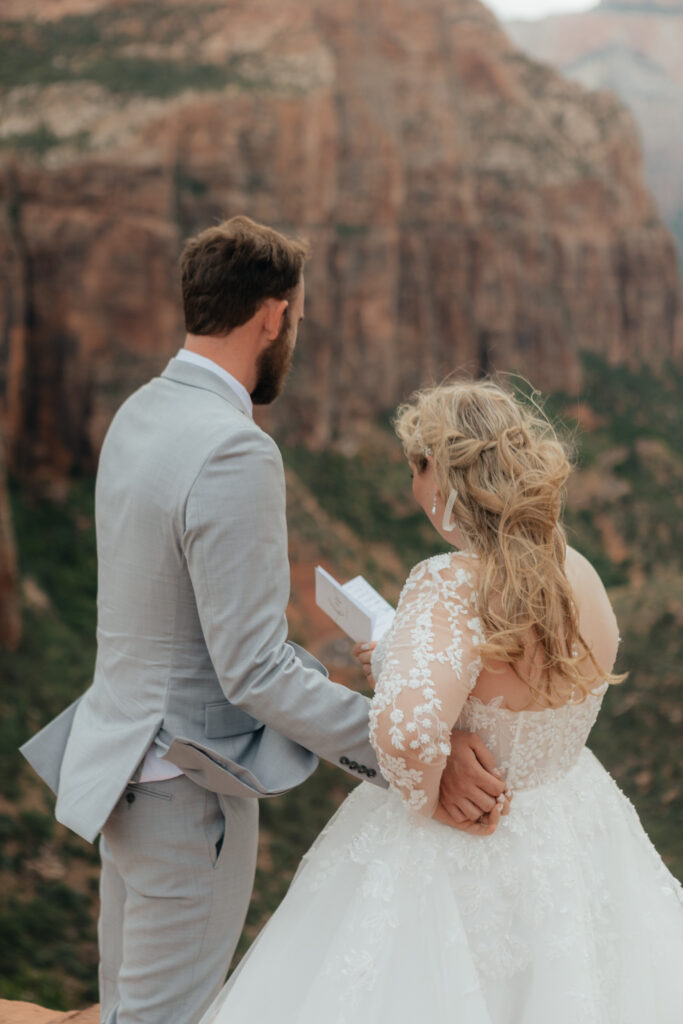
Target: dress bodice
532	748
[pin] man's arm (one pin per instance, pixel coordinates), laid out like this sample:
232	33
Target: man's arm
235	546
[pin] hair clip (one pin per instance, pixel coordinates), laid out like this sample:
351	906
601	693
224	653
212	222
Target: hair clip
425	448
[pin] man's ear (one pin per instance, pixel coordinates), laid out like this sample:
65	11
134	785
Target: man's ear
274	310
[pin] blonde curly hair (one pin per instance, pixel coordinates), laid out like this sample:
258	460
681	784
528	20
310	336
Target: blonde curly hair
507	467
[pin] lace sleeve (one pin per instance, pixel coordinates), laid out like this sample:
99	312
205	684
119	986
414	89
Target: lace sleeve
431	663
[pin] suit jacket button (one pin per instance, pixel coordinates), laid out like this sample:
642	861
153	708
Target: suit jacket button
343	760
130	797
362	769
371	773
353	765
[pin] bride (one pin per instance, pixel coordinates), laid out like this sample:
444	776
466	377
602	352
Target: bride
565	914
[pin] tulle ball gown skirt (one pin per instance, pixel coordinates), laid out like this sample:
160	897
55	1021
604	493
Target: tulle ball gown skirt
566	915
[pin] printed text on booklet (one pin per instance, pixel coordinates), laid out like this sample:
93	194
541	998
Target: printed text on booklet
355	606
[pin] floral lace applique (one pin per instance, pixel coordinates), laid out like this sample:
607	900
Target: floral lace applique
430	662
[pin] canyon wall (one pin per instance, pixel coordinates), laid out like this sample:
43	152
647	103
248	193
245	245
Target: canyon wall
467	207
634	48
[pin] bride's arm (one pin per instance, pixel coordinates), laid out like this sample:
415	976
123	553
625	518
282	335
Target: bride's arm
431	664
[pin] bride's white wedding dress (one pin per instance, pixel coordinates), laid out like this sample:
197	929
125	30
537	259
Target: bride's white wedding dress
566	915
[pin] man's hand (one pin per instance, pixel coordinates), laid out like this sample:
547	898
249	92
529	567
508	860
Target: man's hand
363	652
473	792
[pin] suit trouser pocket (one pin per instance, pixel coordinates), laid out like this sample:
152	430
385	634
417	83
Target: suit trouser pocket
214	826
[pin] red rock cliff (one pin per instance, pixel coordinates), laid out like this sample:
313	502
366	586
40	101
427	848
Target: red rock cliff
467	207
634	48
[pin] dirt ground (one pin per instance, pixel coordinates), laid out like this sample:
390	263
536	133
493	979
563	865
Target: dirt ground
27	1013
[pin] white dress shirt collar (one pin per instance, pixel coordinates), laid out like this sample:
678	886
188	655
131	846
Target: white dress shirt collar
208	364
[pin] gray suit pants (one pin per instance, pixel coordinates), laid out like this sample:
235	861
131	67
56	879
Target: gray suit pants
178	866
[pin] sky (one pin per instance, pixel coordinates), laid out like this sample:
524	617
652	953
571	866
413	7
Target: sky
507	9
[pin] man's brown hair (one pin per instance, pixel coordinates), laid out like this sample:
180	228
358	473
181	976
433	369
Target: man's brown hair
229	270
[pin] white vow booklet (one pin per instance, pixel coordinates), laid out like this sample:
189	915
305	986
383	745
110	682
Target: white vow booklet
355	606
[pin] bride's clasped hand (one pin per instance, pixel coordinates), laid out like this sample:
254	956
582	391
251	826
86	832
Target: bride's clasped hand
473	794
469	799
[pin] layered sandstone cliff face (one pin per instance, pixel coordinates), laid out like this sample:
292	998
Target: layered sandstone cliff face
466	206
634	48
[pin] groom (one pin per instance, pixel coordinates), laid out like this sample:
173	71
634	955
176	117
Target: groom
199	703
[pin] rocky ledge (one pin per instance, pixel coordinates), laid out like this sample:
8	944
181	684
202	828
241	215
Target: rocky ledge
12	1012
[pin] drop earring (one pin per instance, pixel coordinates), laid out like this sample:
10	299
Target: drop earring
434	503
448	523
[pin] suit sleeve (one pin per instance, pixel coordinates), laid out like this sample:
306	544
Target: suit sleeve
235	545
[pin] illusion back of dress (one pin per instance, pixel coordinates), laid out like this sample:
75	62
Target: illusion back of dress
532	748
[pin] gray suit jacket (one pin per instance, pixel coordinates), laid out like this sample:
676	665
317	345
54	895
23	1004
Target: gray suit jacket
193	583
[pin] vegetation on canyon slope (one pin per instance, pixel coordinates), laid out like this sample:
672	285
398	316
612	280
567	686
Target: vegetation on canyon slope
355	514
149	52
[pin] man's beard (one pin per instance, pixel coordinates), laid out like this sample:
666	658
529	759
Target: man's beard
273	365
